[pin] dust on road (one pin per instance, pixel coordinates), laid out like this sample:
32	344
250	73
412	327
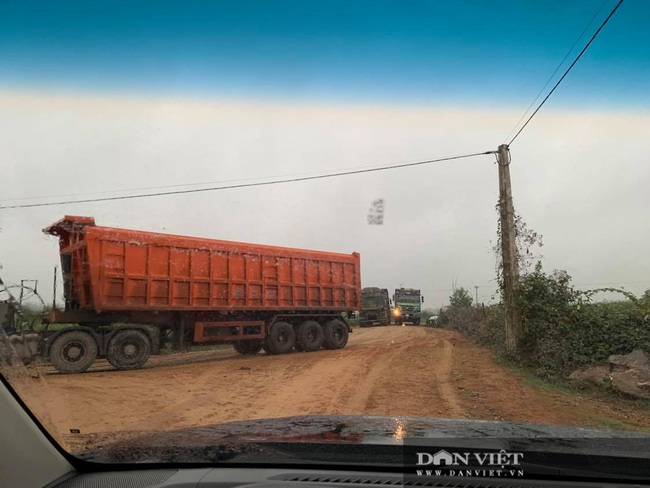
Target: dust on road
388	371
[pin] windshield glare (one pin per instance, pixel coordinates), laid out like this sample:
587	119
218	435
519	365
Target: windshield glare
191	210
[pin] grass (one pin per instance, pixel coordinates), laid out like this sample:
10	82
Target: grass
645	403
529	378
612	424
572	388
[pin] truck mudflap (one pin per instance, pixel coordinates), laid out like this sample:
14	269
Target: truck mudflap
347	324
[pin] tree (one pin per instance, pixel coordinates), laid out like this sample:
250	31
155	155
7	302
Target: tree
460	298
428	312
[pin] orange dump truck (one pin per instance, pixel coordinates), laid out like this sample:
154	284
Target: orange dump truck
127	291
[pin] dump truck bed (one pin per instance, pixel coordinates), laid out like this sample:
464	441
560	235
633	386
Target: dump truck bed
113	269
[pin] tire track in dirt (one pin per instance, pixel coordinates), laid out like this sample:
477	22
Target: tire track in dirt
291	384
418	381
240	389
339	382
359	381
374	367
442	372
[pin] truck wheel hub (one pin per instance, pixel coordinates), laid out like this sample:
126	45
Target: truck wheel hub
73	352
130	349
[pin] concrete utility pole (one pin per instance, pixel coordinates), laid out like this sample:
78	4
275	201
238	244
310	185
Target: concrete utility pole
509	251
476	290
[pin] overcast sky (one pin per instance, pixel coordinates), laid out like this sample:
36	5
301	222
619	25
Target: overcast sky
131	99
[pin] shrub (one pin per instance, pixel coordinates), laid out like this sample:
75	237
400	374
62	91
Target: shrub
562	329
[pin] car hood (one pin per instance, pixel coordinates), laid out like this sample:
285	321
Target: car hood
327	435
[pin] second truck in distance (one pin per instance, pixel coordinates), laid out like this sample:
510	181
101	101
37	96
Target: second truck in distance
375	307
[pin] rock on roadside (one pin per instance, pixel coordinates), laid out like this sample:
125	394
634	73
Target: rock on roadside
630	374
637	359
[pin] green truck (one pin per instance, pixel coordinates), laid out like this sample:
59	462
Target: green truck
408	306
375	307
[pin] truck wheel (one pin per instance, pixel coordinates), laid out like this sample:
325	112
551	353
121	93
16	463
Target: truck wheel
73	352
281	338
416	321
386	319
128	349
336	335
310	336
249	347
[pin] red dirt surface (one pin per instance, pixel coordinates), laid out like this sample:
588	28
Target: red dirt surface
388	371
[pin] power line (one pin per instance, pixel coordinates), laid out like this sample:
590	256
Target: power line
248	185
556	70
452	289
618	283
614	284
160	187
144	188
584	49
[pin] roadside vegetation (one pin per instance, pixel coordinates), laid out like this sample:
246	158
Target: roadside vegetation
565	330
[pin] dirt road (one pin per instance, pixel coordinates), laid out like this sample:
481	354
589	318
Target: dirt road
412	371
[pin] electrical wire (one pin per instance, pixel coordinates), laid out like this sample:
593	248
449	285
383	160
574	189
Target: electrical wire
248	185
584	49
556	70
615	284
161	187
145	188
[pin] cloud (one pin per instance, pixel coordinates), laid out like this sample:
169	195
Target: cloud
579	178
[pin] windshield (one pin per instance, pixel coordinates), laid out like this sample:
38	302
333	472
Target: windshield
371	302
408	298
195	195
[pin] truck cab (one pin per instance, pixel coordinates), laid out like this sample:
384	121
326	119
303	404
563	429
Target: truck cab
375	307
408	306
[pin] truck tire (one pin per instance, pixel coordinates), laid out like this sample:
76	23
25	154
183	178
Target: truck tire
73	352
386	319
128	349
281	338
249	347
310	336
336	335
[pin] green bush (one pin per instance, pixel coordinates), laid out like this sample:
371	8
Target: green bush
562	329
485	324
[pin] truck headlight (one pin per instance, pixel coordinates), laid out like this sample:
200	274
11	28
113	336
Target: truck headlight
397	312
